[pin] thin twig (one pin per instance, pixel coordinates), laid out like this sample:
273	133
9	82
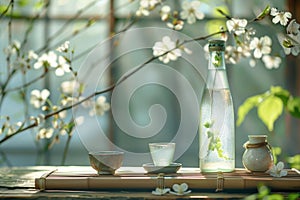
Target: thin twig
110	88
76	16
75	58
6	10
29	82
4	158
63	27
30	27
8	57
205	37
73	34
66	149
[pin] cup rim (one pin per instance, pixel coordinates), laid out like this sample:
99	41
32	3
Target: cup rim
258	136
162	143
106	153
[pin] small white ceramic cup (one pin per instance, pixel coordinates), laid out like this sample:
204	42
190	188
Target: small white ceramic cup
162	153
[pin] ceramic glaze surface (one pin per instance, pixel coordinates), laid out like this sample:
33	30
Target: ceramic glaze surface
257	156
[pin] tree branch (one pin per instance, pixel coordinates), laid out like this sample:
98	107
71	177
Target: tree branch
110	88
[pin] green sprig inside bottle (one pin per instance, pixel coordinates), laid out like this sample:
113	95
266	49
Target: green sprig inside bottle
217	59
214	141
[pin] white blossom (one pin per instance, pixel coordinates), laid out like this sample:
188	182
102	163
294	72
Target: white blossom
86	103
294	38
278	170
79	120
32	55
55	124
290	45
37	120
38	98
279	16
45	133
62	66
11	129
5	125
47	59
62	114
261	46
12	48
16	44
271	61
142	12
67	101
149	3
176	25
190	11
186	50
100	106
249	34
293	28
69	87
40	119
232	55
160	49
64	47
159	191
252	62
63	132
45	108
295	49
236	25
165	12
244	49
181	189
20	63
146	6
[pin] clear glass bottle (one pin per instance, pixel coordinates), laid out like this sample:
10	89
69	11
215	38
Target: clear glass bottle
216	128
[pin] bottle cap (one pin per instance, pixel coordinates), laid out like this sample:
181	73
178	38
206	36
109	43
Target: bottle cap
216	45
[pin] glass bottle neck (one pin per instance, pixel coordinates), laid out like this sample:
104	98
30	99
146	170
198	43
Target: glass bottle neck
216	61
217	77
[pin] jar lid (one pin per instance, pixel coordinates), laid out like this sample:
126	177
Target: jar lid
216	45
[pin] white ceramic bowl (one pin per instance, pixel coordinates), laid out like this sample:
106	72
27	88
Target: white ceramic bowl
106	162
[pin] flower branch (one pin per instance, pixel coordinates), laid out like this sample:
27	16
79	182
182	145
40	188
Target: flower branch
7	9
67	23
158	55
32	21
108	89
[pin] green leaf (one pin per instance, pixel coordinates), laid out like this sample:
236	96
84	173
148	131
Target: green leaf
248	104
269	110
293	106
81	88
263	190
287	43
207	125
293	196
265	12
276	151
283	94
294	161
39	4
2	8
251	197
23	3
275	197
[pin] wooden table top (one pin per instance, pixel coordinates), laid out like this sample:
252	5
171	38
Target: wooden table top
19	182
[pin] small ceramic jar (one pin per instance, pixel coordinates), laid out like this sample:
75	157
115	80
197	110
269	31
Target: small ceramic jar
258	155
